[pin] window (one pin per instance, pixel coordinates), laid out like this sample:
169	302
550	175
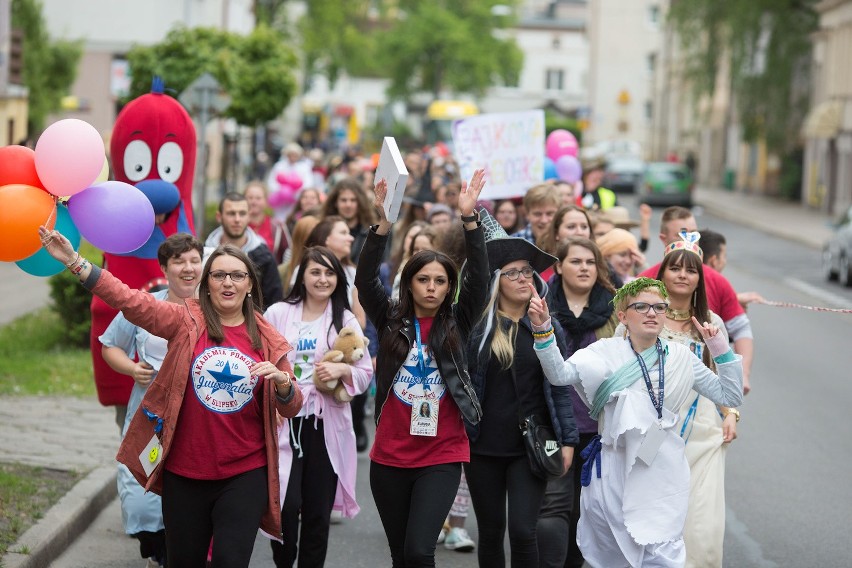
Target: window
649	110
554	79
654	15
652	62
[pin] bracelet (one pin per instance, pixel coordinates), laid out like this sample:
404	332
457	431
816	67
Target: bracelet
733	411
542	334
73	262
77	270
471	218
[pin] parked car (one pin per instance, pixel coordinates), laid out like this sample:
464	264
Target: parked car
623	173
666	183
837	253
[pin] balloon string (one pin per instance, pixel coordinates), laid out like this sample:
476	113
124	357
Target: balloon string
52	212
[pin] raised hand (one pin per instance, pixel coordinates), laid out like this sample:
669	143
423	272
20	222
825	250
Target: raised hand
470	192
707	330
57	245
381	192
538	311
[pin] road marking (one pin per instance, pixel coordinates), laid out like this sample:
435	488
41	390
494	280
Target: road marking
752	552
834	300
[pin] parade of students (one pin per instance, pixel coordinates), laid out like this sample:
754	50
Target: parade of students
511	386
225	374
416	462
317	456
635	477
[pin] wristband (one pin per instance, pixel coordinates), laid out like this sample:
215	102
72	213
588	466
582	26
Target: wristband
77	270
73	262
471	218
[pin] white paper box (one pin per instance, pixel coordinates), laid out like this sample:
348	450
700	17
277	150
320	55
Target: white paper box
392	169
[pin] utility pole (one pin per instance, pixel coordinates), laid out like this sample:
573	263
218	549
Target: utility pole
204	99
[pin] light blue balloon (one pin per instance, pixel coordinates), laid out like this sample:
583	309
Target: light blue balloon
550	169
41	263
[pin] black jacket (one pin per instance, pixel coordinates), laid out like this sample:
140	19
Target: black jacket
452	364
557	399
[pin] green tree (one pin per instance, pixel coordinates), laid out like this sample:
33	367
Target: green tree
766	45
450	45
49	66
420	46
255	70
340	35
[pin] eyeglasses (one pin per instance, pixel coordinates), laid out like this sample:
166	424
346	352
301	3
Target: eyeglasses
236	275
645	307
514	273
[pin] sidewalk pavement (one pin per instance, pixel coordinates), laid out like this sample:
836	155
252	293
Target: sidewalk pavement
773	216
68	433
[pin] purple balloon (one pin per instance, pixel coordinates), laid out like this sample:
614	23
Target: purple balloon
113	215
568	169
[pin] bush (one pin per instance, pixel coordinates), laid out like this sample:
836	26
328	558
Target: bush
71	301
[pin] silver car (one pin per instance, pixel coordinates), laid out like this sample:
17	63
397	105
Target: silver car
837	253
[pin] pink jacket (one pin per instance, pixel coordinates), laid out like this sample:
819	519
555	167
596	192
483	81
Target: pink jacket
182	326
339	436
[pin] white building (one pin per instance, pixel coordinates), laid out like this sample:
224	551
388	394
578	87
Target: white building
109	28
625	39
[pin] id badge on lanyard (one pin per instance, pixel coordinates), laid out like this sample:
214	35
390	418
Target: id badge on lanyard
655	435
424	411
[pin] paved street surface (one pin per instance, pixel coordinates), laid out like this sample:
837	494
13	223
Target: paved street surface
21	292
788	496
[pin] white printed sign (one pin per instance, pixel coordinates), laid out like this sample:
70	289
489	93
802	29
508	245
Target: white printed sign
510	146
392	169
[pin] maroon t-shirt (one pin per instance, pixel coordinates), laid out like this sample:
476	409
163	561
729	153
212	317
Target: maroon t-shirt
219	433
395	445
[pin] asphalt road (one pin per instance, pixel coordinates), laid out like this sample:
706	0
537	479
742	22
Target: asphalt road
788	496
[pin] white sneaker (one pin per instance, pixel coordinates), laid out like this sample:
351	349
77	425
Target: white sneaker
458	540
442	536
336	517
151	563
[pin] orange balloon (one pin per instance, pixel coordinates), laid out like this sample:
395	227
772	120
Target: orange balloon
22	209
17	165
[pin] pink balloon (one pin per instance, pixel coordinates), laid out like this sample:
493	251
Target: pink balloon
113	215
69	156
290	179
568	169
560	143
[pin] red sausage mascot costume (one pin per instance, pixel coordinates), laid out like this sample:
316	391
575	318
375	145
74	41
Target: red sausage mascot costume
153	148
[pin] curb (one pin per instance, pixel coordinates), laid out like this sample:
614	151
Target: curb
65	521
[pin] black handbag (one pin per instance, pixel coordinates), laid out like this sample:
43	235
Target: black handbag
544	451
543	448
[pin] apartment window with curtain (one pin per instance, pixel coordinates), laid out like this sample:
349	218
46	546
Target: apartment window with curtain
554	79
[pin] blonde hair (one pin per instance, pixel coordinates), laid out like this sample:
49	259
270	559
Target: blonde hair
301	232
542	194
503	340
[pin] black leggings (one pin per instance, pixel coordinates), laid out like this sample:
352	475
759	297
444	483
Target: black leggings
490	480
413	504
226	510
560	512
310	492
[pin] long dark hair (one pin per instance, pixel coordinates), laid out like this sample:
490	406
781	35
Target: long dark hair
251	304
339	298
698	301
404	307
365	211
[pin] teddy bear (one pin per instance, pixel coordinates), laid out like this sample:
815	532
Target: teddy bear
349	348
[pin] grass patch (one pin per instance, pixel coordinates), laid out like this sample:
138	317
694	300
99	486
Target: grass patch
26	494
36	360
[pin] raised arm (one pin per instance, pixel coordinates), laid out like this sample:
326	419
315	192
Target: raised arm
371	293
140	308
558	371
726	388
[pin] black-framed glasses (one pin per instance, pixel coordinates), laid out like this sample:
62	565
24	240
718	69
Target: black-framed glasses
514	273
645	307
236	275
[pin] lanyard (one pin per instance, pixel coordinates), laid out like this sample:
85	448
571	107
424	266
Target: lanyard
658	406
421	362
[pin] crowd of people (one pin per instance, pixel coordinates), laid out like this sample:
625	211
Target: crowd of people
487	323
